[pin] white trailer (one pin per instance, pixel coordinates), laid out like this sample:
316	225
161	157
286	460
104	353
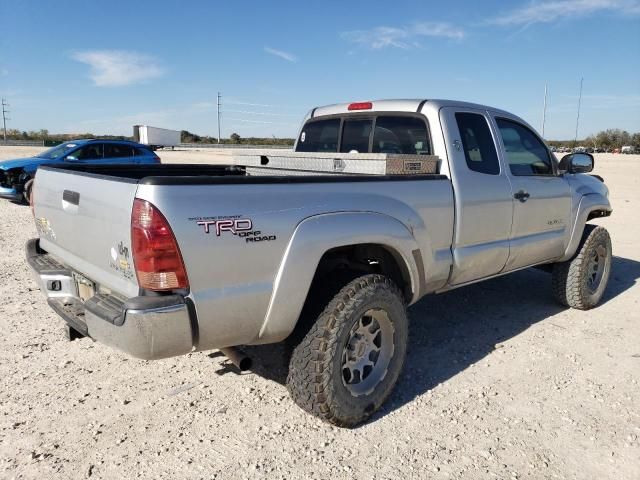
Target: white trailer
628	149
156	137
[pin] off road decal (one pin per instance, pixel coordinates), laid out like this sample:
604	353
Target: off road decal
234	225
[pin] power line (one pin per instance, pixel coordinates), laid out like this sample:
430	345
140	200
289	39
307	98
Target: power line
578	115
265	113
265	105
4	118
219	98
544	109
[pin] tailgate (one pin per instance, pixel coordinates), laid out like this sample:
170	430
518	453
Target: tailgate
84	221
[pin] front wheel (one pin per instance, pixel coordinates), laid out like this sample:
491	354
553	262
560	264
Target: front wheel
581	282
348	363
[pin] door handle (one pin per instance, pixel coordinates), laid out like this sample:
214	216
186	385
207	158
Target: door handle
71	197
521	195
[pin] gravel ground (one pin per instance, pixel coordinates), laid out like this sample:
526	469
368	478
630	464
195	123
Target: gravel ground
500	382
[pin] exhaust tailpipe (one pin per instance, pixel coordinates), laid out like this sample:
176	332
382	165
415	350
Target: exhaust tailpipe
238	358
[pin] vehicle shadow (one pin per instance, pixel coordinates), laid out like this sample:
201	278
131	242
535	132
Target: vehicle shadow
451	331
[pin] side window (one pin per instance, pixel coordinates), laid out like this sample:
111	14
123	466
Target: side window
477	142
403	135
355	135
141	152
319	136
93	151
116	150
525	152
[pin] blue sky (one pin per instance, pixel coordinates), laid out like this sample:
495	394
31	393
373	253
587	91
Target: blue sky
89	66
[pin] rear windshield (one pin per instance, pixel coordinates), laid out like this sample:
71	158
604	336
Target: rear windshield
384	133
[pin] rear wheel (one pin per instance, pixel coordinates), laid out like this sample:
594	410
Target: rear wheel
348	363
581	282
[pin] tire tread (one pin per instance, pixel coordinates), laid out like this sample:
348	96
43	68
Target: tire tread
309	378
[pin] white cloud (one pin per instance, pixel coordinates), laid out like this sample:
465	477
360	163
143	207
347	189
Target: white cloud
279	53
551	11
403	37
117	68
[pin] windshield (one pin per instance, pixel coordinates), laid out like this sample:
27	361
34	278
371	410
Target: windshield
57	152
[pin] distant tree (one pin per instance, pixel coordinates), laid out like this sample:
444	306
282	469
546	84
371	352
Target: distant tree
188	137
235	138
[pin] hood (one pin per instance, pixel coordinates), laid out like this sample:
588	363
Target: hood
32	163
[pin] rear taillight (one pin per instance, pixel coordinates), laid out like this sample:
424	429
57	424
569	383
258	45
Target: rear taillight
156	255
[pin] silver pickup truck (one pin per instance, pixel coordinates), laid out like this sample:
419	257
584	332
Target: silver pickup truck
163	260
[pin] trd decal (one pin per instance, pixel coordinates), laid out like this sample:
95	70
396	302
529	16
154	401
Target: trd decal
235	226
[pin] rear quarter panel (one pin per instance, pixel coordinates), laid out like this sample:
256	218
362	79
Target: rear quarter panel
232	279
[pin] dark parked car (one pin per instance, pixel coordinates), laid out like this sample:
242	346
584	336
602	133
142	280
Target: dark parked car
16	176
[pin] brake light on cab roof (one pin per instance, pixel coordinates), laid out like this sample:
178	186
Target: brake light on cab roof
360	106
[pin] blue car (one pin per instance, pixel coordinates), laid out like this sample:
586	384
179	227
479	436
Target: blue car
16	176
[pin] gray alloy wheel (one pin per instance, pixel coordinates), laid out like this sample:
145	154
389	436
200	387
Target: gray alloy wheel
348	362
368	352
581	282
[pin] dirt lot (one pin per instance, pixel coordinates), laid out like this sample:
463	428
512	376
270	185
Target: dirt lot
500	382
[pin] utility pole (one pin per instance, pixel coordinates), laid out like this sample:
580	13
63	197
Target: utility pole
544	109
575	140
219	97
4	118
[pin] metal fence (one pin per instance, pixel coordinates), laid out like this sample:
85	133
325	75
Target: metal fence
50	143
23	143
232	145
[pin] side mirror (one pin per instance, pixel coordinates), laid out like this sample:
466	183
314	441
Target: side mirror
70	158
577	163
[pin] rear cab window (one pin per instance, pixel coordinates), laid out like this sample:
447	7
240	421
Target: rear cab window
355	135
386	132
319	136
479	148
402	135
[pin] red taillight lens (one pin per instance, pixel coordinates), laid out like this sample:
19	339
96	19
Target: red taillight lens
361	106
156	255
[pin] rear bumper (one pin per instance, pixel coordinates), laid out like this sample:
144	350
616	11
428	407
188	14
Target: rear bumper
147	327
10	193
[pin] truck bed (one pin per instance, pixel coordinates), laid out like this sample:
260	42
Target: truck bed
83	214
198	174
